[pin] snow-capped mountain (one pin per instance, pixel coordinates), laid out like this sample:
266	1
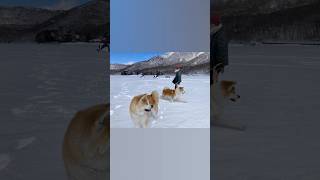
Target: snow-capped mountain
25	15
81	23
93	13
117	66
181	56
166	63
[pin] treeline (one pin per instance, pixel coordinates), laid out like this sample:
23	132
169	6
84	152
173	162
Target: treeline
294	24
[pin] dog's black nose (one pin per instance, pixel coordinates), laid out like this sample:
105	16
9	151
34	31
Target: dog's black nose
238	96
151	106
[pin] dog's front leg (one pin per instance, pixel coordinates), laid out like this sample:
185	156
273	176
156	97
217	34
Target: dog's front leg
145	124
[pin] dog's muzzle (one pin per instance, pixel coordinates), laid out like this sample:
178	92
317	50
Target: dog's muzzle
234	100
148	110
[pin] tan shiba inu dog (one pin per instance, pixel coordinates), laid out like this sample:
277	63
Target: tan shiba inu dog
172	94
144	108
222	92
86	144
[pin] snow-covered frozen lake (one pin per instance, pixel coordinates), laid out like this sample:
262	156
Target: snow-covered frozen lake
280	103
42	87
193	114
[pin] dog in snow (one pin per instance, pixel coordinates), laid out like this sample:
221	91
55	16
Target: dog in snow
143	108
172	94
86	144
223	92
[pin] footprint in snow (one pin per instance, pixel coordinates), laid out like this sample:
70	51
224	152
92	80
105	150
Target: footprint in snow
4	161
118	106
22	143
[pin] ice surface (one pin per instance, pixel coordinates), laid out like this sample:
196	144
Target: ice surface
193	114
42	86
280	102
4	161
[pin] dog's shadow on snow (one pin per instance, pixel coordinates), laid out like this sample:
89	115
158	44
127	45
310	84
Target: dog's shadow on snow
175	100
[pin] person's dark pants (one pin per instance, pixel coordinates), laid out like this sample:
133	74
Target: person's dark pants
176	85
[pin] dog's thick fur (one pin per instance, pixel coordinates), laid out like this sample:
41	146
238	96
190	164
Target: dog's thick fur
144	108
172	94
221	93
86	144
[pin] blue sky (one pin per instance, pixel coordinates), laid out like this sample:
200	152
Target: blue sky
49	4
129	58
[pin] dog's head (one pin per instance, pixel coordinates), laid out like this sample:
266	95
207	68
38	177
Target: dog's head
228	89
149	102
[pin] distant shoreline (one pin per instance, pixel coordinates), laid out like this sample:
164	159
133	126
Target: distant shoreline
252	43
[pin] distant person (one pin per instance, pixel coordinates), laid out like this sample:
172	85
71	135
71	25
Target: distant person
157	74
218	48
177	79
105	44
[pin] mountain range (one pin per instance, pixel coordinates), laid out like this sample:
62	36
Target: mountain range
191	62
82	23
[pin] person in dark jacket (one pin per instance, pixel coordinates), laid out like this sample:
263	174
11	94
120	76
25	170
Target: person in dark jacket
177	79
105	44
218	48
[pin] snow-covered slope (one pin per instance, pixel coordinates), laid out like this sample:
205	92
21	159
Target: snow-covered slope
117	66
82	23
181	56
25	15
94	12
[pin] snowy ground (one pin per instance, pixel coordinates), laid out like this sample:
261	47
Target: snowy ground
42	86
193	114
280	103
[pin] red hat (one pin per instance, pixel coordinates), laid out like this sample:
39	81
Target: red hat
215	19
178	66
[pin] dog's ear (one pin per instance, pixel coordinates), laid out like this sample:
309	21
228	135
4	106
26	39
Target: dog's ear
155	96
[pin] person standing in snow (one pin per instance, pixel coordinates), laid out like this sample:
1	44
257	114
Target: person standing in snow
218	48
177	79
105	44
